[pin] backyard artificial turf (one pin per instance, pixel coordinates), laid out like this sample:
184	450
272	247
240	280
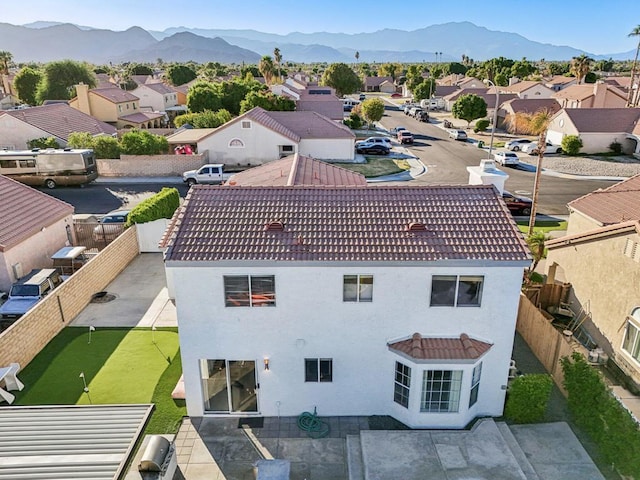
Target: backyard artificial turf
120	365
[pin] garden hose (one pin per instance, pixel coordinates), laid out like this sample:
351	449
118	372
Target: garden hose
313	425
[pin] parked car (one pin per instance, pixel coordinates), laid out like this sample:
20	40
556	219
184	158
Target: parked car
516	144
405	136
373	149
28	291
415	112
211	173
506	158
423	116
362	97
532	148
407	107
110	226
517	205
457	134
377	140
394	131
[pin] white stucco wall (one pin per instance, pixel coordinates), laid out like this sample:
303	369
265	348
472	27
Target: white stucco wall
312	321
333	149
16	134
35	252
537	91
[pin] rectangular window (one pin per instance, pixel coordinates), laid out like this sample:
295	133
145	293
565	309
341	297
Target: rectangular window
631	342
357	288
402	385
456	291
475	384
318	370
246	124
249	291
441	391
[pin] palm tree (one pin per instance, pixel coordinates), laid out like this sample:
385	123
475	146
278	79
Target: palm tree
357	56
533	124
277	56
5	60
631	101
580	66
267	69
536	243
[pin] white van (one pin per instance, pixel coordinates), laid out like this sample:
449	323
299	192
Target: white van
349	103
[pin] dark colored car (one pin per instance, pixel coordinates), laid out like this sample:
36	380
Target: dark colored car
373	149
517	205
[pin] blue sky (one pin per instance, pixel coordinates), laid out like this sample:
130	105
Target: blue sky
596	26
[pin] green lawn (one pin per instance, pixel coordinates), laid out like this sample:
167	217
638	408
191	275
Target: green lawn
545	226
377	167
119	365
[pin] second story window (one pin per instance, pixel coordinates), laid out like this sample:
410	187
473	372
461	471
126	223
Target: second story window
357	288
249	291
456	291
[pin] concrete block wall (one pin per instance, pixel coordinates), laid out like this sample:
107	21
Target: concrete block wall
150	165
23	340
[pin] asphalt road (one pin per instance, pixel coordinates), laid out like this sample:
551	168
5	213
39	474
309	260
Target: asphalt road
447	161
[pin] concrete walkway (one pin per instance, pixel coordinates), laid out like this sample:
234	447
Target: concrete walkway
141	298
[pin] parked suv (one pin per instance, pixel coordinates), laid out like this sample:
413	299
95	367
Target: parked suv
405	136
457	134
28	291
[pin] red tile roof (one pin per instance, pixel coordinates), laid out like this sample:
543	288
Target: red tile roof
24	211
304	125
615	204
141	117
114	94
613	230
60	120
432	348
376	81
469	222
532	105
597	120
297	170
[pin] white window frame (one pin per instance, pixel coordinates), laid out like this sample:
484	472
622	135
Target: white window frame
631	336
364	291
456	294
319	364
475	384
434	394
402	384
236	143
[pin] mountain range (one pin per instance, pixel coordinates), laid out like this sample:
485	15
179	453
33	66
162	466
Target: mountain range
47	41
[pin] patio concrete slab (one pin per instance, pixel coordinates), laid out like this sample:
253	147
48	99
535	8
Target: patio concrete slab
141	298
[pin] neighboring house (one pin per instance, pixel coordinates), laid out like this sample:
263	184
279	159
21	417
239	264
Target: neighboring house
157	96
460	81
528	89
321	100
58	120
190	136
116	107
8	101
559	82
598	128
379	84
297	170
596	95
260	136
604	228
517	106
396	300
489	98
33	226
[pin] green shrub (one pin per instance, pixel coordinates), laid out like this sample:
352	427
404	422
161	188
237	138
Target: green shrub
80	140
162	205
141	142
43	142
615	147
354	121
596	410
528	398
571	144
481	125
106	147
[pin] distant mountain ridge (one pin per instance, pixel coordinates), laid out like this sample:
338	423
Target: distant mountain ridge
46	41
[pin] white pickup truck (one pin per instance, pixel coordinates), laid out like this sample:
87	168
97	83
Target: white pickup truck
207	174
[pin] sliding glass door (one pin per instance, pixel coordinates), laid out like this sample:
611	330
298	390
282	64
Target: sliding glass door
229	386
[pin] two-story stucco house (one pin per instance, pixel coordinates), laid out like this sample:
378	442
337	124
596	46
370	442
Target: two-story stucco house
260	136
600	257
395	300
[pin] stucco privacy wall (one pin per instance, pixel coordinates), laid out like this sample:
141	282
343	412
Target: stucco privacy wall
150	165
26	337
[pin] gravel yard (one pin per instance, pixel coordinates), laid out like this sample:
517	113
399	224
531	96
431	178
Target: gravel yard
599	166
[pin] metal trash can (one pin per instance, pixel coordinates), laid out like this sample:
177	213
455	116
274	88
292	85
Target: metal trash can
480	144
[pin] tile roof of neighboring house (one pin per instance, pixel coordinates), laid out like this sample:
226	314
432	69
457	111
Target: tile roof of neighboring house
489	98
600	120
532	105
60	120
521	86
597	233
559	80
444	90
615	204
189	135
433	348
103	80
160	88
114	94
386	224
297	125
24	211
141	117
623	82
575	92
297	170
376	81
328	105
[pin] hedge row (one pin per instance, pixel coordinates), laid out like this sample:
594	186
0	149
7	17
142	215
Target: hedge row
601	415
528	398
162	205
